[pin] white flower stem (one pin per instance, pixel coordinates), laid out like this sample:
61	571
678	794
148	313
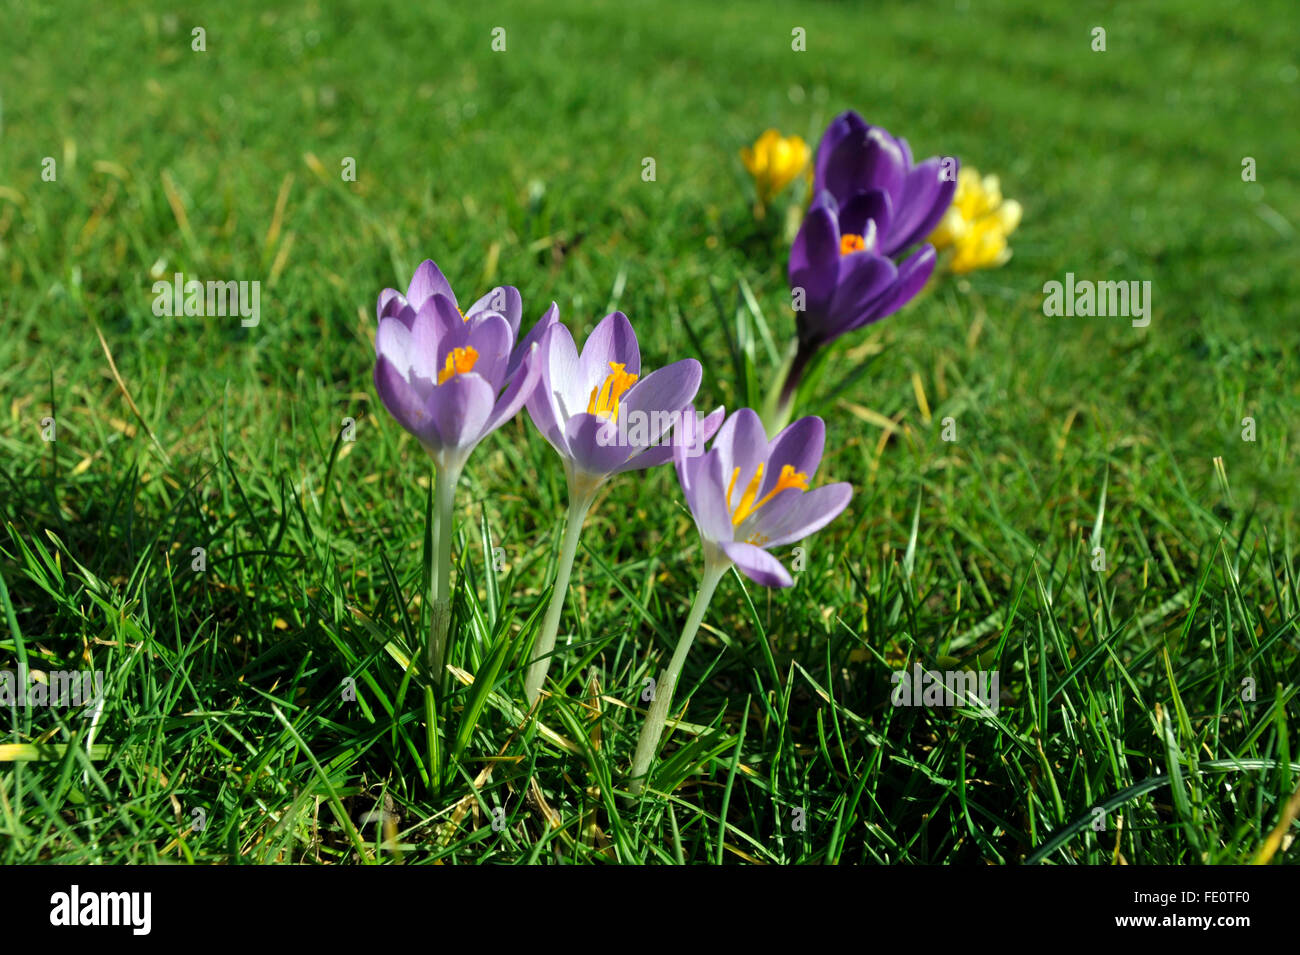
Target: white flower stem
440	573
580	501
715	566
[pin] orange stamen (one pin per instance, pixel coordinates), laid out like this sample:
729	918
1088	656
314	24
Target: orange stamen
460	361
788	478
851	242
604	400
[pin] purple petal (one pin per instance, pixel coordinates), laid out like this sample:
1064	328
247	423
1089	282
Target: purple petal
394	341
428	280
548	406
687	454
757	564
490	337
550	317
403	401
707	497
837	150
522	387
595	444
504	300
811	511
912	276
800	445
460	408
691	433
926	197
390	302
873	206
864	277
866	159
655	399
815	259
612	341
741	443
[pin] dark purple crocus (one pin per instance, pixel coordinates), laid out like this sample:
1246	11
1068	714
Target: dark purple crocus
871	203
604	417
451	379
747	495
840	276
906	200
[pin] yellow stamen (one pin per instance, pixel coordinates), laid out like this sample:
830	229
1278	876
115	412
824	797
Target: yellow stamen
851	242
789	478
460	361
604	400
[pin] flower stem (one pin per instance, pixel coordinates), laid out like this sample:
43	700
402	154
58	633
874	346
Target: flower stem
579	504
714	569
440	573
780	404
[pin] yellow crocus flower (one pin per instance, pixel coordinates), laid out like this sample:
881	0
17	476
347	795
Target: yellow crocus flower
977	223
775	161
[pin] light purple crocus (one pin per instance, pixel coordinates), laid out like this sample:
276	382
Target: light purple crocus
604	417
747	495
906	200
451	380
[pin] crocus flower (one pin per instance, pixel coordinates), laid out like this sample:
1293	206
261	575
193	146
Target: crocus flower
450	380
977	224
845	278
774	161
747	495
906	200
604	417
871	203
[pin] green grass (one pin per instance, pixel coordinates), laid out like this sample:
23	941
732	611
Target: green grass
1122	689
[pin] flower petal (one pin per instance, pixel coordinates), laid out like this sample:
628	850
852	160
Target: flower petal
521	387
557	360
505	301
550	317
811	511
428	280
926	196
490	337
595	445
741	443
612	341
757	564
815	259
403	401
864	277
461	407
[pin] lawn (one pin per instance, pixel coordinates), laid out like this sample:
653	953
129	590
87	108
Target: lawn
259	706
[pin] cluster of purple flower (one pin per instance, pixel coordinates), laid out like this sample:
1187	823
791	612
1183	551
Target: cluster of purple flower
450	377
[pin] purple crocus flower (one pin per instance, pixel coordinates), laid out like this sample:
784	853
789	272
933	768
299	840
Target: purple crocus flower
601	414
504	300
846	280
604	417
451	380
747	494
441	377
906	200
